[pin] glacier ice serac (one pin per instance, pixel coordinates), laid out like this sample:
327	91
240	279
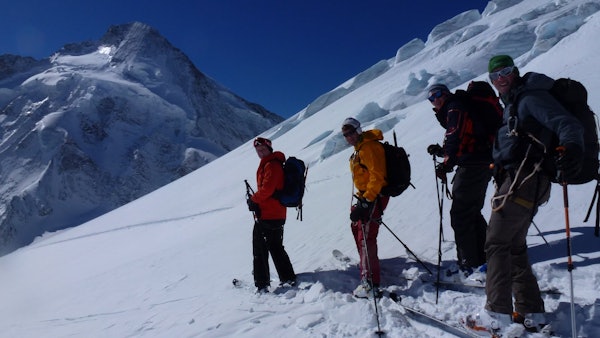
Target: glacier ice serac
162	265
99	124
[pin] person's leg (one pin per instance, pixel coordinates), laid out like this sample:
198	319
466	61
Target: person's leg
501	229
526	291
260	261
469	225
281	260
509	270
373	231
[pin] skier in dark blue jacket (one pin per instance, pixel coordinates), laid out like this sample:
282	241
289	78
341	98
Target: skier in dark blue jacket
532	119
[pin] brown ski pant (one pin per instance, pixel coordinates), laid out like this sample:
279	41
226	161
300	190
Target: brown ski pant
509	270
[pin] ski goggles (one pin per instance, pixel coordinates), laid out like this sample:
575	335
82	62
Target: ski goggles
435	95
349	132
504	72
260	141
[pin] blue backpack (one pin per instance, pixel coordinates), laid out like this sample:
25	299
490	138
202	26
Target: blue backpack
294	173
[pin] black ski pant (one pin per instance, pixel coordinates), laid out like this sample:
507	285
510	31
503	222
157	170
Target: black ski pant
468	195
267	237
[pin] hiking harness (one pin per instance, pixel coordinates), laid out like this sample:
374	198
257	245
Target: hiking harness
499	201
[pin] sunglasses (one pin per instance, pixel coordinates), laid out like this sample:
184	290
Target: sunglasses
349	133
259	141
435	95
504	72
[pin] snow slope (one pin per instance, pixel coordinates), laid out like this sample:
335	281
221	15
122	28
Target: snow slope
162	265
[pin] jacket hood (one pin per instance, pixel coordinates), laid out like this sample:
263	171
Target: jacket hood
537	81
530	81
371	135
276	155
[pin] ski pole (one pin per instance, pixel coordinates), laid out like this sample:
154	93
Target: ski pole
441	233
570	266
539	232
249	193
379	332
407	248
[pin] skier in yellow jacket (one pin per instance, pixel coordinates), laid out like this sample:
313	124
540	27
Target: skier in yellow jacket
367	165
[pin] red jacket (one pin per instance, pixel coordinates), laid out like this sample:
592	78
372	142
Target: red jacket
269	178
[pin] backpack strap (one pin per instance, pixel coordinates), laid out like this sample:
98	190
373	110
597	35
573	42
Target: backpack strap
517	182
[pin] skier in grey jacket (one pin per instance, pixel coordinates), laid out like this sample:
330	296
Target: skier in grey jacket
521	187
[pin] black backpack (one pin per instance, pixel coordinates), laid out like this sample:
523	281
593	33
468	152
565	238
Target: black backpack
572	95
484	109
294	183
397	167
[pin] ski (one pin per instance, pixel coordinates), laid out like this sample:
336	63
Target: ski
281	288
456	330
463	287
240	284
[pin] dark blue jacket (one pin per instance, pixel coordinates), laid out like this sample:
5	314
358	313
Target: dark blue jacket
537	113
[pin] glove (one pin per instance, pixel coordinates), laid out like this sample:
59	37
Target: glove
361	210
435	149
569	161
441	170
252	206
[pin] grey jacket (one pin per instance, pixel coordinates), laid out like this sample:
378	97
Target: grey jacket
537	113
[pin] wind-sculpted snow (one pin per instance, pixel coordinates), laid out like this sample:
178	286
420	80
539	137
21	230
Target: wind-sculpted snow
460	37
455	24
361	79
470	32
387	124
333	145
495	6
284	127
368	75
555	29
369	114
409	50
516	40
317	139
325	100
371	111
417	84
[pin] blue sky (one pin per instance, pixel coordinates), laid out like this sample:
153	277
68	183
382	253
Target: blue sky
280	54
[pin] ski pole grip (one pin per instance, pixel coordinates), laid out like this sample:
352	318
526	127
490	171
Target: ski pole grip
560	176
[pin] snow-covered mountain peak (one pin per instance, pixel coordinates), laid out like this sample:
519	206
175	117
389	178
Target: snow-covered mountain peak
100	123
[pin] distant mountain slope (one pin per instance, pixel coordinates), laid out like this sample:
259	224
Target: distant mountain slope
101	123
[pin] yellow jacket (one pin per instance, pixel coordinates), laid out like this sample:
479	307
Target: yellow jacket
367	165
